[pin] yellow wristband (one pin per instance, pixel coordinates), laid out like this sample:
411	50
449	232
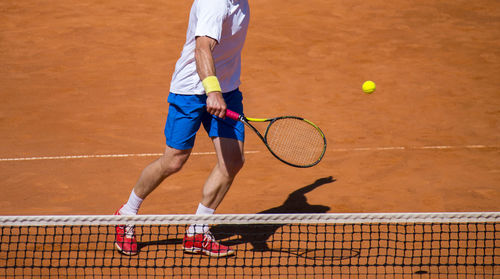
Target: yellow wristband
211	84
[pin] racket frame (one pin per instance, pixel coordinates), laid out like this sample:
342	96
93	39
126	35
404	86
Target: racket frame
246	120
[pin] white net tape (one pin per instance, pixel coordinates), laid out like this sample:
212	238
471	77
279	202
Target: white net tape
350	218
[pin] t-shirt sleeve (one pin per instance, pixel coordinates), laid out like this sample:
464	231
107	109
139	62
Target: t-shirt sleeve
210	16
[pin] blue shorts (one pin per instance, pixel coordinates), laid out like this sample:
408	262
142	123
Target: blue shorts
187	112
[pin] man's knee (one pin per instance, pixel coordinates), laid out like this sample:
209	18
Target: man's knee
173	160
176	164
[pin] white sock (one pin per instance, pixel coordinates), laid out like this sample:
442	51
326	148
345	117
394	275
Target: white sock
132	205
203	210
200	228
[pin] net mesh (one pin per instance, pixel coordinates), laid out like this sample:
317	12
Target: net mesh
295	141
445	245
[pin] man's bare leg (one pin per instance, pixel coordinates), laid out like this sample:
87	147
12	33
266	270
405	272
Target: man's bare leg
230	159
169	163
152	176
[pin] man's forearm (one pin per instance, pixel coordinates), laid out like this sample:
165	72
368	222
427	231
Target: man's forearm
205	65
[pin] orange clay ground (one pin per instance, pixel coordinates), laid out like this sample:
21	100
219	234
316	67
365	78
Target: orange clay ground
92	77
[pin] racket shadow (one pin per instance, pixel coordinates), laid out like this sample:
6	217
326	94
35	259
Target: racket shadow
324	255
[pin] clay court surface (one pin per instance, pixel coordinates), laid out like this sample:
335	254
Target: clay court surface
92	77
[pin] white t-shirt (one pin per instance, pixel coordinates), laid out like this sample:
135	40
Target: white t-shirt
225	21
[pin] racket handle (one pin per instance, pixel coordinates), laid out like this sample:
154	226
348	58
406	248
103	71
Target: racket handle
232	115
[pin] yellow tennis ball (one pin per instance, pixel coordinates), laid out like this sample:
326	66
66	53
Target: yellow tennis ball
369	87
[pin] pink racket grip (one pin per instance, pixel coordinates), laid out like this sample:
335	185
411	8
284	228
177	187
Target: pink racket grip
233	115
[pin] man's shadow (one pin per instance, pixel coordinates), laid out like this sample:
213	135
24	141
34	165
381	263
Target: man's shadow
258	234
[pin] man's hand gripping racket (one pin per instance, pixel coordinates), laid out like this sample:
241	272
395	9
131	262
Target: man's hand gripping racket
293	140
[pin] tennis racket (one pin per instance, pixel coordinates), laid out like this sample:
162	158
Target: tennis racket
293	140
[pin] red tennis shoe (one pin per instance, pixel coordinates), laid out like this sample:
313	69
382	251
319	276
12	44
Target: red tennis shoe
125	240
205	244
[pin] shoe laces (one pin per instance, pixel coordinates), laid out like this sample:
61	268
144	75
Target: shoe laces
129	231
208	238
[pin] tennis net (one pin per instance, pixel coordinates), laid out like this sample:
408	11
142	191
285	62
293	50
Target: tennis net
410	245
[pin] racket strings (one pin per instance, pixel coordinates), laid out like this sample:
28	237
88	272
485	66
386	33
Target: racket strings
295	141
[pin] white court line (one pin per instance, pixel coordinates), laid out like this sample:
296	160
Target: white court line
388	148
102	156
435	147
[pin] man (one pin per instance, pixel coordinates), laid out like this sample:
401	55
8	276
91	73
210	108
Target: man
204	84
